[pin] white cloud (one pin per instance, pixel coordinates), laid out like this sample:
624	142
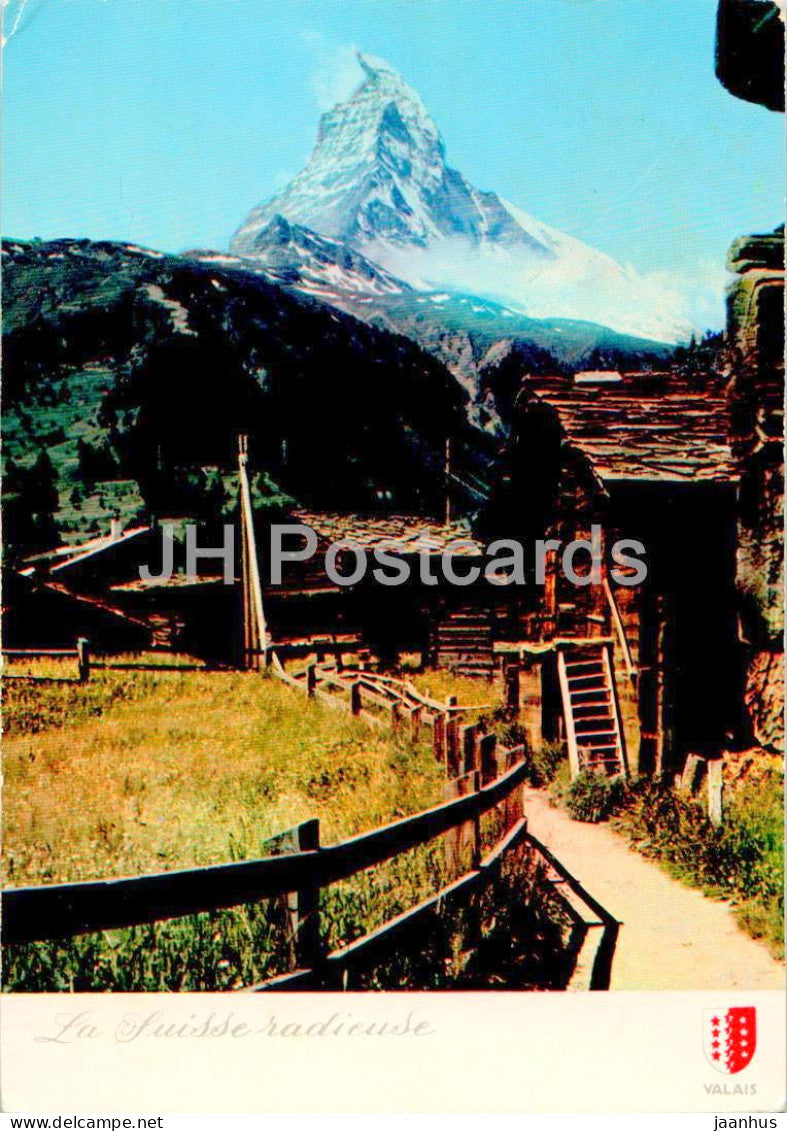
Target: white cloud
16	14
336	71
699	290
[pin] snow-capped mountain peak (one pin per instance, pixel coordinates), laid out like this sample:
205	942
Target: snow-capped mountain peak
379	183
378	171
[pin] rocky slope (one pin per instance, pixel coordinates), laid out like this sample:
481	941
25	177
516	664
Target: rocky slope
464	331
378	183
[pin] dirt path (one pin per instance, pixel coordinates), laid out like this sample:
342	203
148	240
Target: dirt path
673	937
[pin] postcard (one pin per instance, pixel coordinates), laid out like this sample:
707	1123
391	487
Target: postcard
393	591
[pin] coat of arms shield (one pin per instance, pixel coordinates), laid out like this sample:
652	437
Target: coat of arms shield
729	1037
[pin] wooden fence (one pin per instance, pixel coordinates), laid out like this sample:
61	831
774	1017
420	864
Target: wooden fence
385	701
65	910
62	910
480	777
470	757
302	867
81	653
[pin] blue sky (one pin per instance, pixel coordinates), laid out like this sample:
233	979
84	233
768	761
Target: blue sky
163	122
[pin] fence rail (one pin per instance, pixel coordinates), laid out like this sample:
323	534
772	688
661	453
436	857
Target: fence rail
395	702
63	910
335	969
80	652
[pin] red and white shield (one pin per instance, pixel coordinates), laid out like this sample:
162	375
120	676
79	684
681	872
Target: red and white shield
729	1037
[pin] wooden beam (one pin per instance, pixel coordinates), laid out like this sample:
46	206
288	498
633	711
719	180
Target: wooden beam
253	608
568	717
631	671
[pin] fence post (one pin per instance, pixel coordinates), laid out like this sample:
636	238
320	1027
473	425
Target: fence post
305	906
469	740
514	808
298	912
715	791
512	690
396	715
83	659
452	747
474	916
355	697
311	680
415	723
488	758
460	838
475	843
439	737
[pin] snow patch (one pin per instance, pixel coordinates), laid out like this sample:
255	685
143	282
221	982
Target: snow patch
144	251
179	316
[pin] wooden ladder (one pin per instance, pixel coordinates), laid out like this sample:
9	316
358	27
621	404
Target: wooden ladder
594	734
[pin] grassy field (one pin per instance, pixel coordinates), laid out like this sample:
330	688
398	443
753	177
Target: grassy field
141	771
439	683
146	770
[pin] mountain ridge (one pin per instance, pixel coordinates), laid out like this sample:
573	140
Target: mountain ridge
132	369
457	327
378	181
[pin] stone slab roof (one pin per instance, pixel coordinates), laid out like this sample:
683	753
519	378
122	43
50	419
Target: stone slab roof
414	534
63	557
649	427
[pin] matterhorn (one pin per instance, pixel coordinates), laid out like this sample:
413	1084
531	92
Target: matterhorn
379	191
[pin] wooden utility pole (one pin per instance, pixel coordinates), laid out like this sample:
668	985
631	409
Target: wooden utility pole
448	481
254	630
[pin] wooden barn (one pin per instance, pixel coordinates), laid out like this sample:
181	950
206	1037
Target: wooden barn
204	615
94	565
94	589
42	613
448	625
645	458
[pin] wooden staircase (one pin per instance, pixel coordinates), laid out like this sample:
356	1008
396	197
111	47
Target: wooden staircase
463	642
594	734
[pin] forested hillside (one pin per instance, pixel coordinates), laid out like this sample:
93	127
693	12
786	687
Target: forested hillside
128	373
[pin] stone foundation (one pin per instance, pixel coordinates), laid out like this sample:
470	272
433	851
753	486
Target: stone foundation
764	698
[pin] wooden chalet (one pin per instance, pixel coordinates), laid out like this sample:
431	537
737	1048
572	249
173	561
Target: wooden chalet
94	565
197	614
205	616
646	458
94	589
448	625
42	613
